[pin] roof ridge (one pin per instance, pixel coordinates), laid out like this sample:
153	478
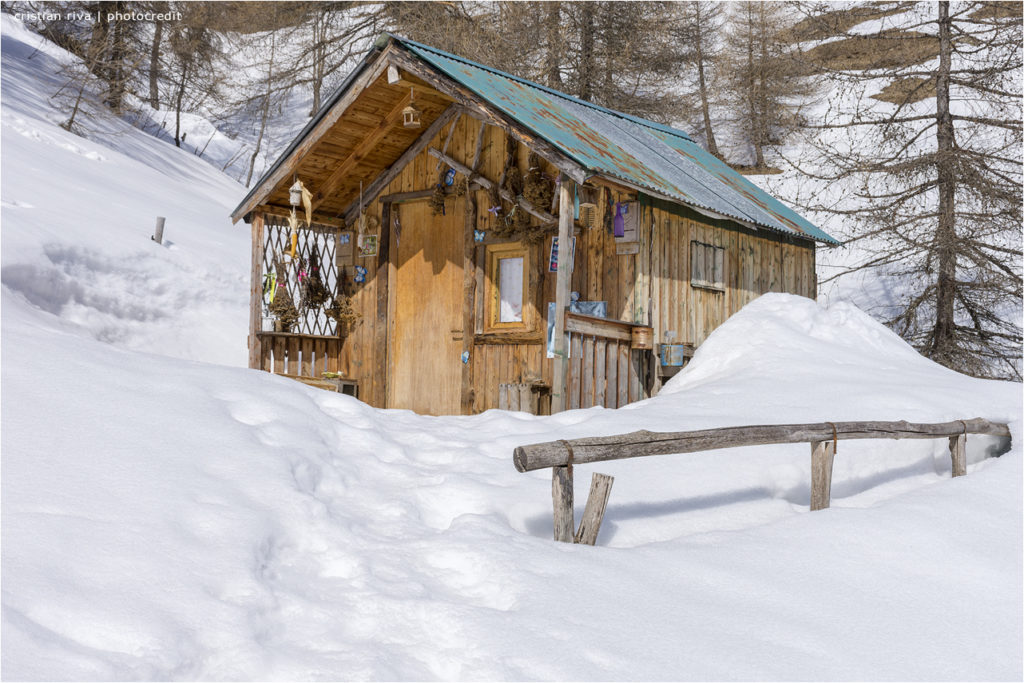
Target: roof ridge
551	91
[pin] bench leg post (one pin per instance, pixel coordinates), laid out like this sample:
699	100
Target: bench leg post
593	514
958	454
561	498
822	454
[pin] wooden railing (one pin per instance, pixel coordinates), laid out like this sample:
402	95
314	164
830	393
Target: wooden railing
823	438
603	368
298	355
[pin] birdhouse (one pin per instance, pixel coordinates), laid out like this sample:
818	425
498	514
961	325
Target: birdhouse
295	193
411	113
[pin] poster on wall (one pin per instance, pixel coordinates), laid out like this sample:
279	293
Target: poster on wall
367	245
553	257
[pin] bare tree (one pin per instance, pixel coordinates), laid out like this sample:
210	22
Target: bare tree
154	55
936	183
194	60
617	54
267	94
765	83
338	32
695	29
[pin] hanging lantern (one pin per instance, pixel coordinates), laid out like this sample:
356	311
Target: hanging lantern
295	193
411	113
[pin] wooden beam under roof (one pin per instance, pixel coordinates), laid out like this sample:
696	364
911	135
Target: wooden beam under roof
276	210
398	77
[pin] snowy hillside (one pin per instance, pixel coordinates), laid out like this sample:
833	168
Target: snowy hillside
78	214
167	516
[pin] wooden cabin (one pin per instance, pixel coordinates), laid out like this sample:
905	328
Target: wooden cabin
479	241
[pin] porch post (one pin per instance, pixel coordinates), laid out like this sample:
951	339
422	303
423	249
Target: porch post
256	294
565	221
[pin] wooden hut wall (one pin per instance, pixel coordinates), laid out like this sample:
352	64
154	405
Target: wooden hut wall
655	278
754	263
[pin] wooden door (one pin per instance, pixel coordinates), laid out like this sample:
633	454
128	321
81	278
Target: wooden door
425	366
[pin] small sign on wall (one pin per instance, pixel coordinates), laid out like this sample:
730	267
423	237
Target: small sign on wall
343	244
367	245
553	257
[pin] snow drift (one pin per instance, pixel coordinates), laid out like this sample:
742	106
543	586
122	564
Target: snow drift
166	518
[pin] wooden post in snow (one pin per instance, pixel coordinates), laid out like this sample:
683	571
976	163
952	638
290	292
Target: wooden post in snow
958	454
593	514
565	219
158	234
561	498
822	455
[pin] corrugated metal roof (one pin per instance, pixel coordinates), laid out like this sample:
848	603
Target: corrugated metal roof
648	155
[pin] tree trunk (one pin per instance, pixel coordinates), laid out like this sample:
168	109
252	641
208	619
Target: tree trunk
761	88
586	89
117	70
553	53
752	95
98	42
319	55
265	113
943	335
709	134
154	65
179	98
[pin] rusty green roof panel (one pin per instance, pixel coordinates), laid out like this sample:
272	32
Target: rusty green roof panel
643	153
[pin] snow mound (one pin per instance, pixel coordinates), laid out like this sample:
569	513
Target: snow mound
188	521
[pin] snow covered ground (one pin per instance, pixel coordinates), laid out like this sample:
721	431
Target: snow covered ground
168	516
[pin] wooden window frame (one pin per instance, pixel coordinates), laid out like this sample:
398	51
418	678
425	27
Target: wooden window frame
495	254
717	261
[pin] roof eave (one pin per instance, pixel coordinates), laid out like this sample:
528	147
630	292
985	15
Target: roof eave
710	213
263	188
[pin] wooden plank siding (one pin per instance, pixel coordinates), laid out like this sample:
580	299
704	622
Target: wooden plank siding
649	287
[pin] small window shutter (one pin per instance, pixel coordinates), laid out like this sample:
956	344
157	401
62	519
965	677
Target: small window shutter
719	279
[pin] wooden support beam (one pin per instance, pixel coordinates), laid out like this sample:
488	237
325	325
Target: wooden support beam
447	141
561	498
365	146
468	304
256	294
480	109
275	210
385	256
637	444
397	77
822	455
480	134
958	454
399	197
562	279
593	514
381	181
488	184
